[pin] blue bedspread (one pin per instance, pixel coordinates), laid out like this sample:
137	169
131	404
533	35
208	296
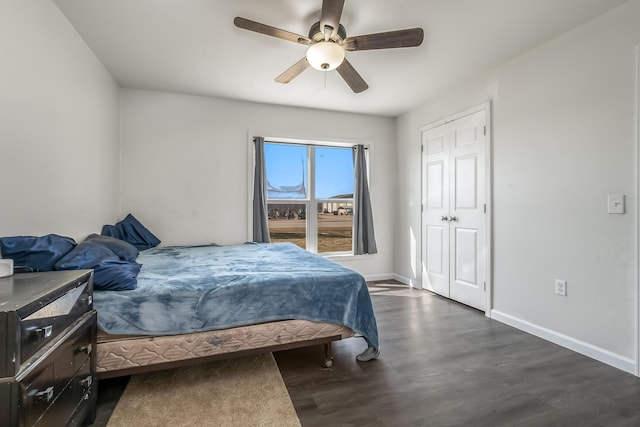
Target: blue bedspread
186	289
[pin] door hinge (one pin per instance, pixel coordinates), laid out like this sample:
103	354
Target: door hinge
484	286
422	148
485	208
485	130
421	208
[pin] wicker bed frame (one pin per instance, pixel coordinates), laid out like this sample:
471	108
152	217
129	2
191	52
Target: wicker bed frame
120	355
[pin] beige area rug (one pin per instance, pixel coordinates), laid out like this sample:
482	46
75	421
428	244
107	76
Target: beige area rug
248	391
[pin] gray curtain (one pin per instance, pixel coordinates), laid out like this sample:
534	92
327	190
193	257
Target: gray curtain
364	236
260	226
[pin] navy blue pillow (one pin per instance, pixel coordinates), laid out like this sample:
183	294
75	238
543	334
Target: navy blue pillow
110	272
132	231
116	275
87	254
111	231
36	253
125	251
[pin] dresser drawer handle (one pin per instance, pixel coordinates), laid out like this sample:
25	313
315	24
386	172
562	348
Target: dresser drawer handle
86	349
87	381
45	331
46	394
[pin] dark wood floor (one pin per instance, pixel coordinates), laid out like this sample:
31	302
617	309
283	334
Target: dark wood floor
445	364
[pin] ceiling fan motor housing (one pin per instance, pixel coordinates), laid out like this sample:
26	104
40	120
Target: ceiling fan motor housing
316	34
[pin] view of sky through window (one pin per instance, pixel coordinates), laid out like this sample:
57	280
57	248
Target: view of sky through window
286	170
286	167
334	172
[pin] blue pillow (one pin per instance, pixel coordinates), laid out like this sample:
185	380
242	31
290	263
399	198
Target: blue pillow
125	251
116	275
87	254
132	231
110	272
111	231
36	253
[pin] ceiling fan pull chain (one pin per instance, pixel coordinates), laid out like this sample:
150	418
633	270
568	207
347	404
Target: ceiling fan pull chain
325	79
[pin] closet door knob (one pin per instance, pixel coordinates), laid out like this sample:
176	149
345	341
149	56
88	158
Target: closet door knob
444	218
453	218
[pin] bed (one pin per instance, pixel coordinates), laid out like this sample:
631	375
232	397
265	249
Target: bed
200	303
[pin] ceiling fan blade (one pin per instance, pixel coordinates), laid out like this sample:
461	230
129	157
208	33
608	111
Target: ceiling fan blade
400	38
247	24
293	71
351	76
330	17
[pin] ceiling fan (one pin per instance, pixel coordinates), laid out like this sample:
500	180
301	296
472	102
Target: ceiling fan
328	41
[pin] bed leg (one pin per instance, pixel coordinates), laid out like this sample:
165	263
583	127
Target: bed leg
328	358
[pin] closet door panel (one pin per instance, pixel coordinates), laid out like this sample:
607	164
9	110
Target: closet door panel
435	210
467	176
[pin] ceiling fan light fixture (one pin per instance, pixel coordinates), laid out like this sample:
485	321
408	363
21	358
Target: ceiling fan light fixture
325	55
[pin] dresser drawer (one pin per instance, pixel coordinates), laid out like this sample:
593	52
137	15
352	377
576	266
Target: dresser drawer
69	402
55	384
43	325
47	333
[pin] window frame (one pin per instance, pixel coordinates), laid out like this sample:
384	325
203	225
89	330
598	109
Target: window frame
311	202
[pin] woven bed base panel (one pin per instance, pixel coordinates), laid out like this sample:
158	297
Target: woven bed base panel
133	352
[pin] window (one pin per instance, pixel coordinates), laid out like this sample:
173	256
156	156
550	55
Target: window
310	196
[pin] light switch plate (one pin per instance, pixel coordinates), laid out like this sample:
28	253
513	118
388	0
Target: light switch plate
615	204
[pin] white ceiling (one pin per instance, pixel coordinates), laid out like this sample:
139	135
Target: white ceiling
192	46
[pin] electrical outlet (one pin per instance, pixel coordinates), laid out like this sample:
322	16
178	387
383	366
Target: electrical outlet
561	287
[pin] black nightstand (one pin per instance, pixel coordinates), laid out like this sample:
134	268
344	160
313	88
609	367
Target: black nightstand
47	349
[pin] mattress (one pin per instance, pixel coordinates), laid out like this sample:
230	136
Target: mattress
190	289
116	352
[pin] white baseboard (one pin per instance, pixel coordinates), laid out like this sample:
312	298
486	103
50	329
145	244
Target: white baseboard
374	277
600	354
392	276
411	282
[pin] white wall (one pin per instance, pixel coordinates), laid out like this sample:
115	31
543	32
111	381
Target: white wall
563	138
59	126
185	164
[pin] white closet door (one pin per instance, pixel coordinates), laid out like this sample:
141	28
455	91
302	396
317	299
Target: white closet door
454	192
435	226
466	207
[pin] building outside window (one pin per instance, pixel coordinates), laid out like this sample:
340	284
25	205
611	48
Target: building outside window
310	196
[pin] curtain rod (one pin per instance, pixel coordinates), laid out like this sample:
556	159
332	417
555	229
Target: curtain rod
312	142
